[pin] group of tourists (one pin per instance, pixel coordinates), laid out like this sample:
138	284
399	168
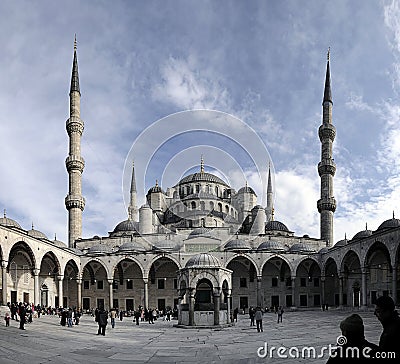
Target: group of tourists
22	313
69	316
256	316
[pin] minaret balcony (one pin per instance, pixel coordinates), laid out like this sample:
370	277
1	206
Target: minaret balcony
326	166
74	125
326	131
328	204
75	201
74	162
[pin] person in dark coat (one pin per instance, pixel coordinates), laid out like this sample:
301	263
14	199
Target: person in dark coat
102	322
137	316
390	320
352	346
252	314
63	320
22	316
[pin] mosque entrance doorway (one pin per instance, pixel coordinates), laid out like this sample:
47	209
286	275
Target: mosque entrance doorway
13	296
100	303
129	304
356	294
44	299
161	304
26	297
244	303
275	301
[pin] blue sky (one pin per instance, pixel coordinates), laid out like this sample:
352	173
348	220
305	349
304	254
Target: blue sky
260	61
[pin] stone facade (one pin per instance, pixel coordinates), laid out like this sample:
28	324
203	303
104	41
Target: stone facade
138	262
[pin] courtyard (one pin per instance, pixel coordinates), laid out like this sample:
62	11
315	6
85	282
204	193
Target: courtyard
45	341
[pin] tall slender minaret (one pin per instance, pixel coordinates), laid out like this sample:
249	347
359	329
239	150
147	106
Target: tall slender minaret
132	209
74	202
327	167
270	196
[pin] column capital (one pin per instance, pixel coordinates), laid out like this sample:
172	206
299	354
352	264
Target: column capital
110	281
35	271
60	277
259	278
4	263
79	281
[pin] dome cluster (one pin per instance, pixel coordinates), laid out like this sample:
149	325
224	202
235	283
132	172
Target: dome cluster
203	260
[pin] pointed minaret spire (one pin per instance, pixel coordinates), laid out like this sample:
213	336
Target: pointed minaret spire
74	202
75	73
202	164
366	226
327	90
132	209
327	167
5	213
268	209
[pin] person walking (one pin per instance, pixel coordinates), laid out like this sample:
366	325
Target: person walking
7	319
258	317
137	316
22	316
113	315
280	314
121	315
252	313
102	322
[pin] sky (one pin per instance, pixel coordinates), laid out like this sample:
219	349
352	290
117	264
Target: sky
142	64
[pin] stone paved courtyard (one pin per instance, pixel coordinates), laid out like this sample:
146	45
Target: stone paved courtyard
45	341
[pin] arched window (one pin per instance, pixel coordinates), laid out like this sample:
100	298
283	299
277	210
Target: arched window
220	207
197	188
207	188
187	190
203	291
211	205
193	205
227	209
217	190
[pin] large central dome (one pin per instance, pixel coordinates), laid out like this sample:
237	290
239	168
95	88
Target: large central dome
202	177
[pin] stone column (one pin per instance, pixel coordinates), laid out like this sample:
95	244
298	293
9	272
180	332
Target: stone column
293	291
36	291
228	304
323	291
364	288
146	292
79	285
4	281
341	292
190	294
217	302
60	291
260	301
111	298
394	283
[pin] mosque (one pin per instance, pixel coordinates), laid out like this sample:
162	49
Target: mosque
199	245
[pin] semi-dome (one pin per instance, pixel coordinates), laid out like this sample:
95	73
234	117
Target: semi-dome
203	260
271	246
275	225
167	245
237	244
129	247
7	222
301	248
202	177
126	226
201	231
389	224
100	249
362	234
36	234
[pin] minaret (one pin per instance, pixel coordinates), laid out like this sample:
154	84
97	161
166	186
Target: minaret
132	209
74	202
270	196
327	167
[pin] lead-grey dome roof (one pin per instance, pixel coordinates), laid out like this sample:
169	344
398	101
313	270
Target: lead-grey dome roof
201	231
36	234
100	249
237	244
130	246
7	222
275	225
362	234
272	246
301	248
168	245
125	226
203	260
246	189
389	224
202	177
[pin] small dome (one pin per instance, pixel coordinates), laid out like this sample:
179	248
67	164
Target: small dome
59	243
130	246
389	224
272	246
301	248
246	189
101	249
168	245
125	226
76	251
201	231
362	234
203	260
275	225
237	244
5	221
155	189
36	234
342	242
323	250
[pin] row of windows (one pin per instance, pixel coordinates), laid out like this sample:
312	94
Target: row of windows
288	282
129	284
202	206
188	190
